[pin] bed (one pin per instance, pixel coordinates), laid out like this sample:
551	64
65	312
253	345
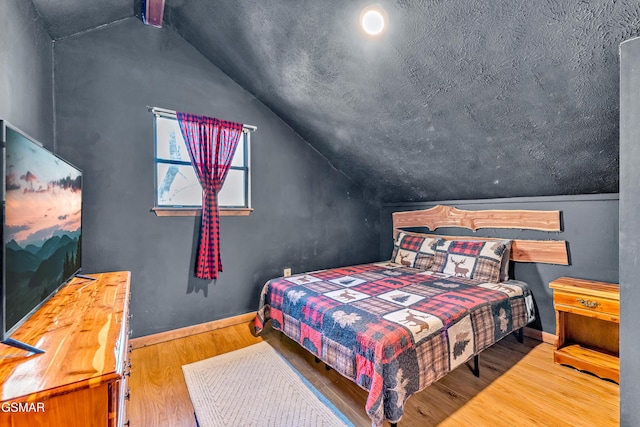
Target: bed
395	327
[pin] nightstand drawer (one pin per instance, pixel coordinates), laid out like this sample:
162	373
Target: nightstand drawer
589	303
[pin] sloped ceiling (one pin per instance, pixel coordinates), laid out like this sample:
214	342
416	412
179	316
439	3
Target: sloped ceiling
63	18
459	99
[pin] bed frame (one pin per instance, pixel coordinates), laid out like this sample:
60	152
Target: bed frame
542	251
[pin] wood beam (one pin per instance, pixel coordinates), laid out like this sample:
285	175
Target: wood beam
152	12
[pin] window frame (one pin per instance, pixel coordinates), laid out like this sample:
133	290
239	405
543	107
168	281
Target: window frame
196	210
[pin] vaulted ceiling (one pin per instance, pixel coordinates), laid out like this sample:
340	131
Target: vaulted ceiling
458	99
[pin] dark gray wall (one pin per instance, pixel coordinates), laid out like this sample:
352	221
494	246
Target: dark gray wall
629	232
589	225
26	89
307	215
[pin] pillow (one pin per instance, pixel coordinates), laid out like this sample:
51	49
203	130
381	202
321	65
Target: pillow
474	259
413	250
504	268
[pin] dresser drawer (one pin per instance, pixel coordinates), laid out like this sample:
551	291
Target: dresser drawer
588	303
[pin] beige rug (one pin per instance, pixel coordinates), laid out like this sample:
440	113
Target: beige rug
255	386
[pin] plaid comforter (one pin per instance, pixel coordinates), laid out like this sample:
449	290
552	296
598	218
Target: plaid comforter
391	329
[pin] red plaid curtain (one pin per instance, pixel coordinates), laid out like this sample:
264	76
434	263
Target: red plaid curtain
211	144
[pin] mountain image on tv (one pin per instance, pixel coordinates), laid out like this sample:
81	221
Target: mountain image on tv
42	230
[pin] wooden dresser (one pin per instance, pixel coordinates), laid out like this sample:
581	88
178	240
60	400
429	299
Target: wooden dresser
81	379
587	326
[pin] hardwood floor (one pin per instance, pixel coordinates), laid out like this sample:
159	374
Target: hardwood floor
519	385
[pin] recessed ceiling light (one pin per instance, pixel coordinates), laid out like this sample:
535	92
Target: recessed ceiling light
373	20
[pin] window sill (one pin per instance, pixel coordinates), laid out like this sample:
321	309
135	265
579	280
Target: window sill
198	211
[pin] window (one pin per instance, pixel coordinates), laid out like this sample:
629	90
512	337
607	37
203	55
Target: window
177	189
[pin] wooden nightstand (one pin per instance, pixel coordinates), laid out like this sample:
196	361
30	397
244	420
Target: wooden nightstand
587	326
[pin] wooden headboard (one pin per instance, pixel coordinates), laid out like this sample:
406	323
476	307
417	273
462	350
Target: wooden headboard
545	251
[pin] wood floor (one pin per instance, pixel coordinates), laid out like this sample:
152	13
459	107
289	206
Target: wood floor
519	385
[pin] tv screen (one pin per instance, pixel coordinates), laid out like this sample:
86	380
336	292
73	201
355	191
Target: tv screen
42	231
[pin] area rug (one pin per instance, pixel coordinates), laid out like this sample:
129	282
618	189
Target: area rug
255	386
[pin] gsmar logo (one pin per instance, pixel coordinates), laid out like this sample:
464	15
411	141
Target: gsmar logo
22	407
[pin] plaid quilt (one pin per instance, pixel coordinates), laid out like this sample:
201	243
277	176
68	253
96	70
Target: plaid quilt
392	329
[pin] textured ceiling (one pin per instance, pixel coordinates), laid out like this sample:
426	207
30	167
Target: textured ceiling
459	99
65	17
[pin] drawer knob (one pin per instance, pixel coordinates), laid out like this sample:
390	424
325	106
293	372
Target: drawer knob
588	303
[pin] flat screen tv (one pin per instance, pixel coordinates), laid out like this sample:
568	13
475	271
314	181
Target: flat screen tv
41	228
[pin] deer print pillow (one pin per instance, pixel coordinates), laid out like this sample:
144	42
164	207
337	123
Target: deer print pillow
413	250
473	259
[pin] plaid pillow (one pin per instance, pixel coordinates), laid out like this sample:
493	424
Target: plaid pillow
504	268
473	259
413	250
